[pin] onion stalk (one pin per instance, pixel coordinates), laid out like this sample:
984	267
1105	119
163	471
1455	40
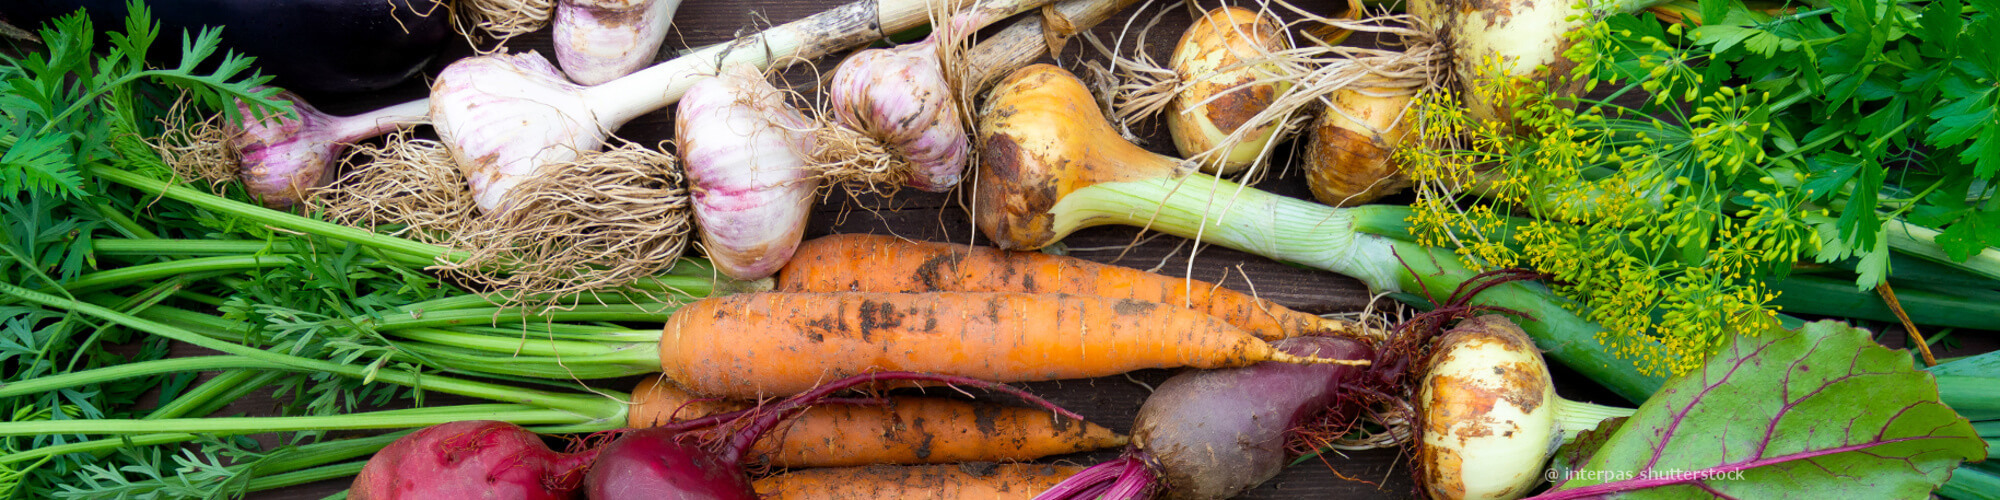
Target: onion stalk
1053	165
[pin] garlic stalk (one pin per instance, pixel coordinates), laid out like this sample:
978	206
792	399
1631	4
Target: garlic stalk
745	151
505	115
906	97
600	40
281	157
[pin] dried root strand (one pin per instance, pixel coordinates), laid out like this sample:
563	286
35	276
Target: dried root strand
603	221
409	184
500	19
857	162
197	149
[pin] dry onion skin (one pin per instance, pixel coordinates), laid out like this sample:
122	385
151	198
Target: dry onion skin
1349	158
1226	88
1490	417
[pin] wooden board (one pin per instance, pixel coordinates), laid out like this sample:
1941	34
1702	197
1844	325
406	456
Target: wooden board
929	216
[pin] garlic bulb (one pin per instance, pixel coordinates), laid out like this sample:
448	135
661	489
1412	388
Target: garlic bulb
281	158
745	150
600	40
900	97
505	115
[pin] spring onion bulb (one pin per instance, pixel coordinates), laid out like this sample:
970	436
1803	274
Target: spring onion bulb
906	98
505	115
600	40
1491	416
745	150
1224	88
281	158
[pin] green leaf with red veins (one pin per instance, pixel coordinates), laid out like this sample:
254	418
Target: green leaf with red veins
1819	412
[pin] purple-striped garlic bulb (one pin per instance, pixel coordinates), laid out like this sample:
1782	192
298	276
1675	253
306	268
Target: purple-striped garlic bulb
504	115
281	158
600	40
746	153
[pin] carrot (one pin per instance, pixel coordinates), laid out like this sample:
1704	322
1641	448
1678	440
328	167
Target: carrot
958	482
757	344
902	430
874	263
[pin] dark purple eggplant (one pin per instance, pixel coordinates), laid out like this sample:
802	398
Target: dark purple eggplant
305	45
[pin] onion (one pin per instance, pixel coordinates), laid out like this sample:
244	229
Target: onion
281	158
1490	414
1223	91
599	40
1350	158
1494	42
745	152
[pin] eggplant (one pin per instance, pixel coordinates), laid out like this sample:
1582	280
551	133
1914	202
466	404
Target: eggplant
315	46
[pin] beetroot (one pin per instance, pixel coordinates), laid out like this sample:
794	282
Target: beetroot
656	459
470	459
676	462
1211	434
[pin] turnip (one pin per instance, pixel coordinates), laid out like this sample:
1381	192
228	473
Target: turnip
673	462
470	459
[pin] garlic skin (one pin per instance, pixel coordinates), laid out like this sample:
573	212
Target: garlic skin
746	154
1220	39
504	115
597	41
900	96
280	158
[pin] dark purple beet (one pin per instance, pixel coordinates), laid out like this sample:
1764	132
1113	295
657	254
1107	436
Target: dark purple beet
305	45
1210	434
470	459
664	463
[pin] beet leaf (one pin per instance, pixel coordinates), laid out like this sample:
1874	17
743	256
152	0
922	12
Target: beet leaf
1818	412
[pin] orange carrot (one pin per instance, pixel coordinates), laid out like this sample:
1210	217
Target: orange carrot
874	263
914	482
902	430
761	344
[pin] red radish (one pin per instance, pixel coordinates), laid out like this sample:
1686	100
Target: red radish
673	462
470	459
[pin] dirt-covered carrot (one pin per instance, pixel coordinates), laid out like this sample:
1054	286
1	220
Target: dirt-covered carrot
911	482
899	430
876	263
761	344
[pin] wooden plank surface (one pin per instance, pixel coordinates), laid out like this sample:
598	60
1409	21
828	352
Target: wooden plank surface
928	216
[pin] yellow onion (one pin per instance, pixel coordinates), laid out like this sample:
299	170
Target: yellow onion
1349	159
1222	95
1490	414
